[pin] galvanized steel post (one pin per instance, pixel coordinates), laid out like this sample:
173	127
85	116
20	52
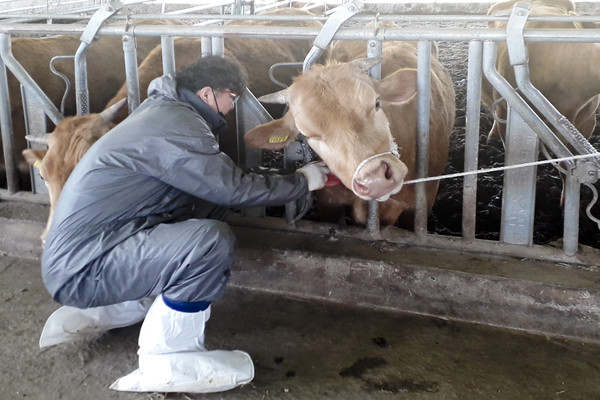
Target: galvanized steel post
6	120
131	72
168	54
472	117
374	49
423	110
88	36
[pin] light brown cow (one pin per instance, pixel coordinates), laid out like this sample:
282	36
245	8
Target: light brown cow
565	73
256	54
66	145
352	121
105	75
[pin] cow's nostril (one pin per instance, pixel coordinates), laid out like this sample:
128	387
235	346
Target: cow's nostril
387	171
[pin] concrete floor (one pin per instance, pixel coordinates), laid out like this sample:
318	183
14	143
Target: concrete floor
301	350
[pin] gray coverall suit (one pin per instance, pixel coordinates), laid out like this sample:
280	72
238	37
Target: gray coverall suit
135	217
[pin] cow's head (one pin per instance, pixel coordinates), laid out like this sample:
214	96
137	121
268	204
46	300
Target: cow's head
69	141
341	111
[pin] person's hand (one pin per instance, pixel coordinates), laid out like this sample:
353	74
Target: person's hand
315	174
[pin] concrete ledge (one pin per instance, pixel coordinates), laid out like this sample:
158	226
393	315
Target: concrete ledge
546	298
529	306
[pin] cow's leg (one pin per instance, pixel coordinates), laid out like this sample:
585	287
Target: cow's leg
395	211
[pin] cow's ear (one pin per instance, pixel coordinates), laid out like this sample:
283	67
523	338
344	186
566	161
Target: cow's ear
110	114
399	86
365	64
273	135
569	5
500	9
34	157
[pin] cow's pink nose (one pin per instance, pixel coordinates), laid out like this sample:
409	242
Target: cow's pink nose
378	179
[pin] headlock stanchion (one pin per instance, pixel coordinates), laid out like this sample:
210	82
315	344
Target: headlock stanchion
482	59
81	86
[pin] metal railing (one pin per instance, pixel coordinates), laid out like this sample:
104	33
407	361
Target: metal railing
481	61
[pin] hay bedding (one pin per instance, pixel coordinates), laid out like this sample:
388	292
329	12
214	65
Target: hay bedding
446	217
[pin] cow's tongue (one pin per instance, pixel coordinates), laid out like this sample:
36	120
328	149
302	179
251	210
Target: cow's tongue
332	180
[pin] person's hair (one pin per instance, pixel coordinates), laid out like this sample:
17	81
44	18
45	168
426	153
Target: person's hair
214	71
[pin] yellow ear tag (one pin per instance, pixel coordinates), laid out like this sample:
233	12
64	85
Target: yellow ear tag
37	164
278	139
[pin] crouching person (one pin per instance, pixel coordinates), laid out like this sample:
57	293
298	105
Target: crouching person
141	216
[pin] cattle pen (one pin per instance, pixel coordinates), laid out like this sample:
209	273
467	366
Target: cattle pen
505	274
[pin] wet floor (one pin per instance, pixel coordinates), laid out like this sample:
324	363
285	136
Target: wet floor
301	350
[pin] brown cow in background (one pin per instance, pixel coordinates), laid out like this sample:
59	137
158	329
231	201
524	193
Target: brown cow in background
257	55
565	73
106	73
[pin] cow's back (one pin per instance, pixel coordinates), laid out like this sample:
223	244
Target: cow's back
256	55
266	52
565	73
105	70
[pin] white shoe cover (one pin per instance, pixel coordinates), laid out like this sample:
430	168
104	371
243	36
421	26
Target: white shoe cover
69	323
168	331
189	372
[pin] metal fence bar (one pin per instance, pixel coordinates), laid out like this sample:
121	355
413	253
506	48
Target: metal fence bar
131	72
88	36
374	49
35	124
168	55
571	215
12	180
25	79
422	145
472	117
295	32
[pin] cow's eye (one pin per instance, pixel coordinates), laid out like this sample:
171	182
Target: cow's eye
377	104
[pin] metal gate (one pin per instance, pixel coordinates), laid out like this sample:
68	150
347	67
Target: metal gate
516	230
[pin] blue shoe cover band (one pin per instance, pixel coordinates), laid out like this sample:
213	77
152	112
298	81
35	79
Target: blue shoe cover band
186	306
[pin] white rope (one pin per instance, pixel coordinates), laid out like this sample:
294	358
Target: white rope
496	169
366	160
394	151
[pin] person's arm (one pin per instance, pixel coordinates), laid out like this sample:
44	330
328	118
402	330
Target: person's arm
211	175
